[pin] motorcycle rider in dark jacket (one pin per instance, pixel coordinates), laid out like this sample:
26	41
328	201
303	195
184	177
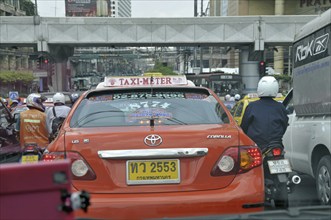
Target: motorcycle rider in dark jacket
265	120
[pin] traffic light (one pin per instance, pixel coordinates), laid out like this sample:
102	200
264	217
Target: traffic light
262	68
43	62
38	64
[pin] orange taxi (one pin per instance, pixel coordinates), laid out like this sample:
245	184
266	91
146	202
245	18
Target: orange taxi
156	147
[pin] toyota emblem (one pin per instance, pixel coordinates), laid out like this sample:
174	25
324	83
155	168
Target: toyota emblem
153	140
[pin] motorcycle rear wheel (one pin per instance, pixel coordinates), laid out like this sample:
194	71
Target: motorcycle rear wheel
281	198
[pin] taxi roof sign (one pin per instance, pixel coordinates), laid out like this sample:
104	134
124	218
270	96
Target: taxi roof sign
145	81
255	95
251	96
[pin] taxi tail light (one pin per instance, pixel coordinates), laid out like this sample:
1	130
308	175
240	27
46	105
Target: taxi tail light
237	160
250	157
79	167
227	164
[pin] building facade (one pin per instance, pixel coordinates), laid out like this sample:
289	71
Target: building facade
98	8
11	8
12	58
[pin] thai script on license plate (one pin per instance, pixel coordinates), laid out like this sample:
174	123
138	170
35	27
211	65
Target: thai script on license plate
279	166
152	171
29	159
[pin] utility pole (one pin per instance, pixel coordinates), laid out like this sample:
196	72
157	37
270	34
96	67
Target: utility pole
195	15
201	49
35	7
201	13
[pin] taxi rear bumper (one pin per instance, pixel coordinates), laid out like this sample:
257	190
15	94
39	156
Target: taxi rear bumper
244	194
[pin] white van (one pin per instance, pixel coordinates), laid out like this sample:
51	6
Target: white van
307	139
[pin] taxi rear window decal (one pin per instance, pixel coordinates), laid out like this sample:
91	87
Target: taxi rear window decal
101	98
149	113
148	95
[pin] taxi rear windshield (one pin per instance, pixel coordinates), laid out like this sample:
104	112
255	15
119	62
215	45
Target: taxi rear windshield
146	107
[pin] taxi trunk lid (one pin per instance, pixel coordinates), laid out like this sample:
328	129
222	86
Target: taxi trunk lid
125	161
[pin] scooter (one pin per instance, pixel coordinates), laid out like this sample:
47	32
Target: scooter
279	179
31	153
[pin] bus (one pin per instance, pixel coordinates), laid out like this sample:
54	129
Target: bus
221	83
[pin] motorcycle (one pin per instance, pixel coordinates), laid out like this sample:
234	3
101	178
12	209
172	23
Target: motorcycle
31	153
279	179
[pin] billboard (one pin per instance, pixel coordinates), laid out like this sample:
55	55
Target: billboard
81	8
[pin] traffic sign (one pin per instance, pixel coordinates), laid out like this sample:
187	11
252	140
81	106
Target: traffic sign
13	95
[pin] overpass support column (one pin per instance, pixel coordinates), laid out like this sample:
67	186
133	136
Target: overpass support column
249	71
60	75
279	55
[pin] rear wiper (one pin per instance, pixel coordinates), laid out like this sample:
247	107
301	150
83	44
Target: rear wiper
177	121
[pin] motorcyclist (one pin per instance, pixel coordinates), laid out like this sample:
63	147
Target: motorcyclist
227	97
74	97
61	110
237	97
31	123
265	120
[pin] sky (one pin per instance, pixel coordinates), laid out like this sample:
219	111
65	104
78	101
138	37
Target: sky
140	8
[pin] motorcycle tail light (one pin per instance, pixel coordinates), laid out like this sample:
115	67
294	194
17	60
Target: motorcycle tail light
79	167
276	152
29	148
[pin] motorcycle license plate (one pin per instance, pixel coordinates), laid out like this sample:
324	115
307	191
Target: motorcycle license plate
279	166
29	159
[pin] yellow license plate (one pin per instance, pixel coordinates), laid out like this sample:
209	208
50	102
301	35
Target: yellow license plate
152	171
29	159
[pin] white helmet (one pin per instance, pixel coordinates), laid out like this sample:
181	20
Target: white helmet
34	100
4	100
237	97
232	99
267	87
227	97
59	98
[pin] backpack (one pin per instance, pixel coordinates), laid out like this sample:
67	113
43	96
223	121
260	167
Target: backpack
56	123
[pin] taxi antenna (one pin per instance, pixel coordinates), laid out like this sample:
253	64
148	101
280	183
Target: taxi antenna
151	120
152	81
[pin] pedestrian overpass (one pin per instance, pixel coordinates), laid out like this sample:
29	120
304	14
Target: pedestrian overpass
58	36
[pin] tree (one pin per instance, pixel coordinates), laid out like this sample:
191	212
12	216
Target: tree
15	80
165	70
28	7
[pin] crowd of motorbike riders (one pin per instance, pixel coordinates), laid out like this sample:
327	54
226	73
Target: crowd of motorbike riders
34	125
264	121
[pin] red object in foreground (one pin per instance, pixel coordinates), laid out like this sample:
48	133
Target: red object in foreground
33	191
